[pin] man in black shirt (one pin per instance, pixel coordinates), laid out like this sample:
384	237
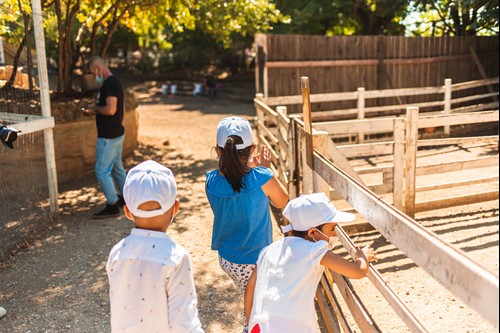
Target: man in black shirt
108	110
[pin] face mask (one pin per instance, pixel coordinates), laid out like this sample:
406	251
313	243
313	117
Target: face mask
99	80
331	240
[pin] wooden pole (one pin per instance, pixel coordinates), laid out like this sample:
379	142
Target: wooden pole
399	169
447	102
411	159
306	112
50	156
361	111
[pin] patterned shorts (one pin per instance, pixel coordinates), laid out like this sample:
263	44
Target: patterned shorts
240	274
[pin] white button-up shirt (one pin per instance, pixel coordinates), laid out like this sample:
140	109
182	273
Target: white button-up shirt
151	285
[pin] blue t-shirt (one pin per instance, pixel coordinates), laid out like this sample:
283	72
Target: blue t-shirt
242	221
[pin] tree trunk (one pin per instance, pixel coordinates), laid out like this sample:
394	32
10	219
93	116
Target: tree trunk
17	56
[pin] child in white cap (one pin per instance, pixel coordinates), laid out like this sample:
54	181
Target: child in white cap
150	276
240	192
280	292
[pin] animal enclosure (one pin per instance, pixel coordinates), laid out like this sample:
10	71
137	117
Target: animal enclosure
314	151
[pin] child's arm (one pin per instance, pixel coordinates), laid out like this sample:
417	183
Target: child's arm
354	269
276	192
273	188
249	292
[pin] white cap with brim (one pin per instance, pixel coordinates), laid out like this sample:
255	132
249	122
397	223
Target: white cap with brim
234	126
311	210
149	181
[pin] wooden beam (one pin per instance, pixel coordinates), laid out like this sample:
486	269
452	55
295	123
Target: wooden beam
306	114
456	201
361	62
392	298
462	276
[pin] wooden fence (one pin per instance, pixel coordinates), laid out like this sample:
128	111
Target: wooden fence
306	159
343	63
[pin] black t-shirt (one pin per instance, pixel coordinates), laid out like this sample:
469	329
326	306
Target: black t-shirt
110	127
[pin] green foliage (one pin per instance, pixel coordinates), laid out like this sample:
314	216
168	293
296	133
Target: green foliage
456	17
343	17
11	19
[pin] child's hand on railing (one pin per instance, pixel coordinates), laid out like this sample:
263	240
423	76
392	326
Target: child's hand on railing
261	159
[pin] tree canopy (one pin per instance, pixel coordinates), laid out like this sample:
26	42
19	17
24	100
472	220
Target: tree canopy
197	29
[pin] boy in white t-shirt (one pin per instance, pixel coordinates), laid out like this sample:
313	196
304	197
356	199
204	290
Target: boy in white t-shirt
150	275
280	293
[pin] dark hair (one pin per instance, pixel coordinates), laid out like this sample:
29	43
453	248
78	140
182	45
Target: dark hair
303	234
233	162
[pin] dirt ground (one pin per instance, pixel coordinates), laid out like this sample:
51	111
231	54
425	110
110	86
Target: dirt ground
59	283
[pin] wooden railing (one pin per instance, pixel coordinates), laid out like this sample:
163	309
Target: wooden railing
307	160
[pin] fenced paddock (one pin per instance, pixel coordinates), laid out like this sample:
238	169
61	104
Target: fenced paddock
389	206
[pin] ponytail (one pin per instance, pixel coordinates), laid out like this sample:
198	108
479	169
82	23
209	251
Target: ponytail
233	162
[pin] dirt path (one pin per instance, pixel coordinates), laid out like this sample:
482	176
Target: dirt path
60	284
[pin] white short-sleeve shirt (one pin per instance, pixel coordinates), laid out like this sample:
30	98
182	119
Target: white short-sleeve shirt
288	273
151	285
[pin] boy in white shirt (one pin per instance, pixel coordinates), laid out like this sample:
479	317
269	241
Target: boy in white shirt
150	276
280	292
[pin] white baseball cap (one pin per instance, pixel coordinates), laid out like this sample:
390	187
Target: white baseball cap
234	126
311	210
149	181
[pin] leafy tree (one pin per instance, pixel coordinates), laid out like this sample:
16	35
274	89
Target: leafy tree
457	17
343	17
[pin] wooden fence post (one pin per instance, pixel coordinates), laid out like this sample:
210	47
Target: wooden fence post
447	102
411	159
306	113
361	111
294	162
48	134
399	166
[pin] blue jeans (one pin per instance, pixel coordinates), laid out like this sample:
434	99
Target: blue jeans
109	167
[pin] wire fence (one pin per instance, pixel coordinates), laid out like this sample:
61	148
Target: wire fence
24	196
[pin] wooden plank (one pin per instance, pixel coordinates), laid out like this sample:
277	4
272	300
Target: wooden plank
398	161
458	141
477	107
480	162
306	115
367	149
458	119
330	320
33	124
458	201
362	62
360	314
410	160
474	84
449	266
339	159
267	131
356	125
326	283
455	184
370	94
383	287
473	98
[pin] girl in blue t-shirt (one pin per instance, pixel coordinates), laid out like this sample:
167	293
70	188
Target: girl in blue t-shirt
239	192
